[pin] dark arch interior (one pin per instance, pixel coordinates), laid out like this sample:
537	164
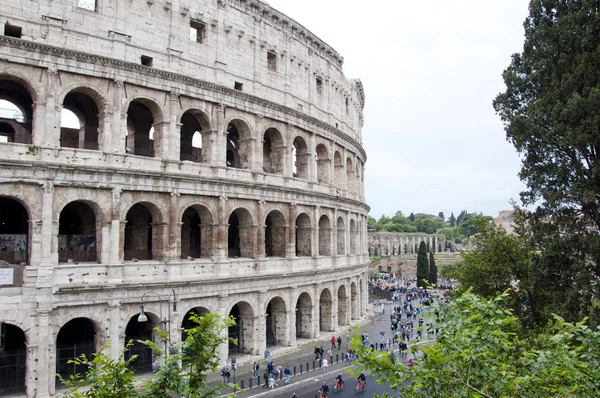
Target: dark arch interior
13	358
191	234
7	132
233	147
275	235
235	331
75	338
188	324
21	125
303	236
139	331
77	233
14	230
233	237
138	234
303	317
139	123
86	137
189	126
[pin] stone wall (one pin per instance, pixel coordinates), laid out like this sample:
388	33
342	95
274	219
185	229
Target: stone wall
385	242
128	210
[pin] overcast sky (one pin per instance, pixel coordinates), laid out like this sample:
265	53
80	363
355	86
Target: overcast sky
430	70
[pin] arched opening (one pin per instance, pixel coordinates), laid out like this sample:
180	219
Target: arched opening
303	236
196	233
191	140
275	234
79	123
239	154
339	169
325	311
138	241
349	175
140	331
13	360
75	338
300	158
240	237
16	112
187	324
353	301
276	322
77	233
243	315
323	164
361	292
324	236
272	152
140	129
342	306
358	178
304	325
352	237
341	236
14	232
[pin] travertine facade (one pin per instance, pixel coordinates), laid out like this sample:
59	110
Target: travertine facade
217	163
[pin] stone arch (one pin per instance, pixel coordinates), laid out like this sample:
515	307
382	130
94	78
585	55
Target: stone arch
20	93
338	166
76	337
276	322
239	147
341	236
142	238
300	156
303	235
273	151
304	316
137	331
193	122
240	237
349	175
186	323
324	236
14	230
78	232
353	234
86	103
342	306
143	115
353	301
323	164
196	232
275	234
13	358
325	311
243	330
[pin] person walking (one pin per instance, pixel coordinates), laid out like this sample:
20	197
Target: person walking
255	369
339	342
333	341
325	365
288	373
266	377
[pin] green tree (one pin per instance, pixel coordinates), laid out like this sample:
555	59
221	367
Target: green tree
441	215
422	266
433	270
452	220
373	273
482	351
411	217
105	377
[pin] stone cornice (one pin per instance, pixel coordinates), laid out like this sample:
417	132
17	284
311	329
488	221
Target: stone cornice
142	69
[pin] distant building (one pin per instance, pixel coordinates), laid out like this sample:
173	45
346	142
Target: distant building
506	219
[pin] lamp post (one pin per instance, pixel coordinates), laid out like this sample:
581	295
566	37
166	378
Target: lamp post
164	322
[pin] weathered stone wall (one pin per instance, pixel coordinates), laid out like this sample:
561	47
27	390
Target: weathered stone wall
212	236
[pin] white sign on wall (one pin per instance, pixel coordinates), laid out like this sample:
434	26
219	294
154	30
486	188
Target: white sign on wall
6	276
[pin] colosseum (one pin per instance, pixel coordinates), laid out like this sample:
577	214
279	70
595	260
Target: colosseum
184	155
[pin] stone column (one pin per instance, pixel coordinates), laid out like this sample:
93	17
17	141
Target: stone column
118	128
45	365
260	231
316	315
220	152
38	109
51	133
173	144
334	237
315	244
223	222
104	254
48	255
174	228
105	117
257	164
291	247
259	335
35	237
334	311
312	159
291	319
117	342
161	139
223	350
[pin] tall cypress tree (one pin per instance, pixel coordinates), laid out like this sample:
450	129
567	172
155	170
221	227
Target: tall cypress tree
422	266
433	271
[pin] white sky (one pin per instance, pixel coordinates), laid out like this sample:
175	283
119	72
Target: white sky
430	70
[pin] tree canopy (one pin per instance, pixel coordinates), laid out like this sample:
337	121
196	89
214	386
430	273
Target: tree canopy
422	266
